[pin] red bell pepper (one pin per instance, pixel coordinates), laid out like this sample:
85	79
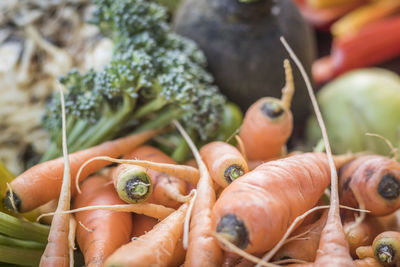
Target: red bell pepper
375	43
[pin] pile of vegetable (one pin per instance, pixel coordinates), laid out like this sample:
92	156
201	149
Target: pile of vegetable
122	186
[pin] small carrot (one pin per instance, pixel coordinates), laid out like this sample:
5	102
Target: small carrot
132	183
200	239
100	232
367	262
224	162
385	248
304	247
167	190
361	234
28	187
268	123
156	247
57	252
376	178
143	224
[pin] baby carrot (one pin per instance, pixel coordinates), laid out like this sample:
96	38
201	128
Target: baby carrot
268	123
132	183
224	162
155	248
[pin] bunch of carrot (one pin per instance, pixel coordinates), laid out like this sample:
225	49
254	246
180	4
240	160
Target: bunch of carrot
251	204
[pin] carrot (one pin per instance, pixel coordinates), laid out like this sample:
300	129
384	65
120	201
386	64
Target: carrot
203	249
167	190
224	162
268	123
132	183
333	249
279	190
367	262
156	247
101	232
361	234
305	246
143	224
57	252
28	187
377	180
386	247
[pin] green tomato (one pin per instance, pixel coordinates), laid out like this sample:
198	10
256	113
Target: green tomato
359	102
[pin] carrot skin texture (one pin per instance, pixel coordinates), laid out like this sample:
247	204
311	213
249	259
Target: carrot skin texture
219	156
273	190
109	229
29	185
145	251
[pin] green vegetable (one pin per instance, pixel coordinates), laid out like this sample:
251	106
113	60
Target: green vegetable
21	256
360	102
22	229
154	77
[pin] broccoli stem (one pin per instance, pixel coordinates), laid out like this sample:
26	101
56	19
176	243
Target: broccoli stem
79	128
51	153
107	127
21	256
182	150
164	119
150	107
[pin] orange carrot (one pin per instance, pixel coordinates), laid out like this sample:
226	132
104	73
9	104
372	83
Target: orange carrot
367	262
224	162
167	190
305	248
377	180
132	183
278	190
143	224
57	252
28	187
362	233
386	247
203	249
100	232
268	123
156	247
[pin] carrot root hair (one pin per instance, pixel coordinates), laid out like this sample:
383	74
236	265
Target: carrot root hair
186	224
288	90
393	150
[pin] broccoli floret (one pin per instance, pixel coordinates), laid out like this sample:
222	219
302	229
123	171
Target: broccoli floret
154	76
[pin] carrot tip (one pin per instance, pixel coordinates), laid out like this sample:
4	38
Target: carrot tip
389	187
233	172
233	230
385	253
272	109
12	202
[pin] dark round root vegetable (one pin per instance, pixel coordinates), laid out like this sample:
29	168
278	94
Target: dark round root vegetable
241	43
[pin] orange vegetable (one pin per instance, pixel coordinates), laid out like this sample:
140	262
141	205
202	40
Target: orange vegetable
377	181
132	183
28	187
167	190
105	230
272	195
156	247
224	162
268	124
